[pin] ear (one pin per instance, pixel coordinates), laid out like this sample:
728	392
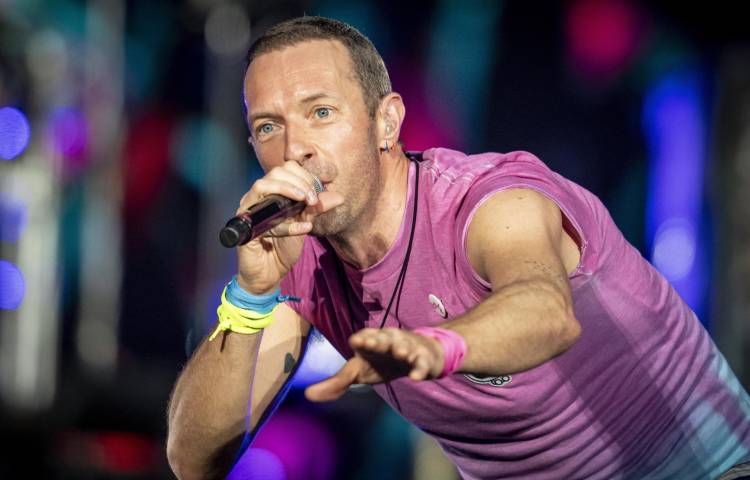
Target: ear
390	117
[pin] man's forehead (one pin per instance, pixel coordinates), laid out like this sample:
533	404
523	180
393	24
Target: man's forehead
299	70
308	55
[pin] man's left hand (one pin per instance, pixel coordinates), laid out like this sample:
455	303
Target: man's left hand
381	356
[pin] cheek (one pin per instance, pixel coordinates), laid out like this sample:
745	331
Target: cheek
270	155
340	137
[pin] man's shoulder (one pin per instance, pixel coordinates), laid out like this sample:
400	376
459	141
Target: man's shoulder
452	166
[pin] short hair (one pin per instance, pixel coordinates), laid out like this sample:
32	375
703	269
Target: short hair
367	63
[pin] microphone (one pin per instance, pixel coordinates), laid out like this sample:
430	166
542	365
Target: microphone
262	217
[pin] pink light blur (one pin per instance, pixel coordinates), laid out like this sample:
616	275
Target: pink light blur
422	128
603	35
69	138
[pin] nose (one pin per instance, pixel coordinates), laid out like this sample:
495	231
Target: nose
298	146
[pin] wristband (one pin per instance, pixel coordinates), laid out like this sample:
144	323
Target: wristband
242	312
454	347
239	297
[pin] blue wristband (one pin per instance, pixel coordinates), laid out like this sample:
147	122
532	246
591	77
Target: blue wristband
263	304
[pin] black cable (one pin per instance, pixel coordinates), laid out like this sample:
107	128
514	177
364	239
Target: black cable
400	282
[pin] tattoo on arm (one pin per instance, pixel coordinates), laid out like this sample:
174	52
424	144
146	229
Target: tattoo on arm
289	363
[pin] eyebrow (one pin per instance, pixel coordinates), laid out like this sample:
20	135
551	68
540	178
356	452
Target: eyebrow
273	116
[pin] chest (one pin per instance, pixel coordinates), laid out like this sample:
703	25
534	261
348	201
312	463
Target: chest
430	293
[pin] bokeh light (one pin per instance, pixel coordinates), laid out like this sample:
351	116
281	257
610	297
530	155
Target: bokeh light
258	464
674	248
147	150
14	133
13	217
200	150
69	136
305	446
12	286
674	122
603	35
228	31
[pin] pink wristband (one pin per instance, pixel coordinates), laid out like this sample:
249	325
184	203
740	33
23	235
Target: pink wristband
454	347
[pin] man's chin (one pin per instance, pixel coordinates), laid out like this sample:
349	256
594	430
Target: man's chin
327	224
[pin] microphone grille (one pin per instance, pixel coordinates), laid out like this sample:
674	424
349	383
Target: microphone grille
317	185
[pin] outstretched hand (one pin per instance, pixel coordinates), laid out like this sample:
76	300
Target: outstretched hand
381	356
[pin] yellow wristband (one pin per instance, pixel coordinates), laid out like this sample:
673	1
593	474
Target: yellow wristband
239	320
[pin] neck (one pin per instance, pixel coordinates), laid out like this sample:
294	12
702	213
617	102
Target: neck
367	241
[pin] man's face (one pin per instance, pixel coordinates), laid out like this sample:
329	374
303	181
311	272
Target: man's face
305	105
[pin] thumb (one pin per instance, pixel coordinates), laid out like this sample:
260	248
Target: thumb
327	200
333	387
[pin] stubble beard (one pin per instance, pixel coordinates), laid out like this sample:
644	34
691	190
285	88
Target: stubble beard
358	185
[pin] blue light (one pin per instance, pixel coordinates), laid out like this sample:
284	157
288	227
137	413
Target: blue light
12	286
13	217
321	360
14	133
674	121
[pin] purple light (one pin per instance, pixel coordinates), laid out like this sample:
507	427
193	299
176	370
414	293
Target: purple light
13	217
258	464
14	133
674	248
303	443
68	134
674	122
12	286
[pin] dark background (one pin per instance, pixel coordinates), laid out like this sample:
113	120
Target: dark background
123	149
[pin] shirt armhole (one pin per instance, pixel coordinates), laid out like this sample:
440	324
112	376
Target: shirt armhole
569	223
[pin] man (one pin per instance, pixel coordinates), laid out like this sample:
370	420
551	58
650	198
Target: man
490	301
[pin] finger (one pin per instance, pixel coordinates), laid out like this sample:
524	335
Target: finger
267	186
421	367
357	339
401	348
289	229
293	173
418	357
302	172
327	200
383	342
333	387
369	339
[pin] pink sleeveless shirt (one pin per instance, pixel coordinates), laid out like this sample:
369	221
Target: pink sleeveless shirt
642	394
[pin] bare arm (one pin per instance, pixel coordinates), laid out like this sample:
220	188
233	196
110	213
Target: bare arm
516	242
208	412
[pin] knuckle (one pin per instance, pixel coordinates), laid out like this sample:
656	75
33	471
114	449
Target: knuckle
260	185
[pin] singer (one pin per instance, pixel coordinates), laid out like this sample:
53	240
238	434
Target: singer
489	300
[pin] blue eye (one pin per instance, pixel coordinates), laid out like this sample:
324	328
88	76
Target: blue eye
323	112
265	128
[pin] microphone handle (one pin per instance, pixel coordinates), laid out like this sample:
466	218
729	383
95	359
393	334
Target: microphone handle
259	219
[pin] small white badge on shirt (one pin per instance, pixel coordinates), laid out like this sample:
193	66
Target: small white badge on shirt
438	304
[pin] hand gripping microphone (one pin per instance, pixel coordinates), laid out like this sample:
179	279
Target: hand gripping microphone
262	217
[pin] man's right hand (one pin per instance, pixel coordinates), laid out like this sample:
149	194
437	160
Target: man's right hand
264	261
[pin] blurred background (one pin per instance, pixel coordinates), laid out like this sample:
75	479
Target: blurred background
123	151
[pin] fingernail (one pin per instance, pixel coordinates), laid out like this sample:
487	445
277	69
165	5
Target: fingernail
312	197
